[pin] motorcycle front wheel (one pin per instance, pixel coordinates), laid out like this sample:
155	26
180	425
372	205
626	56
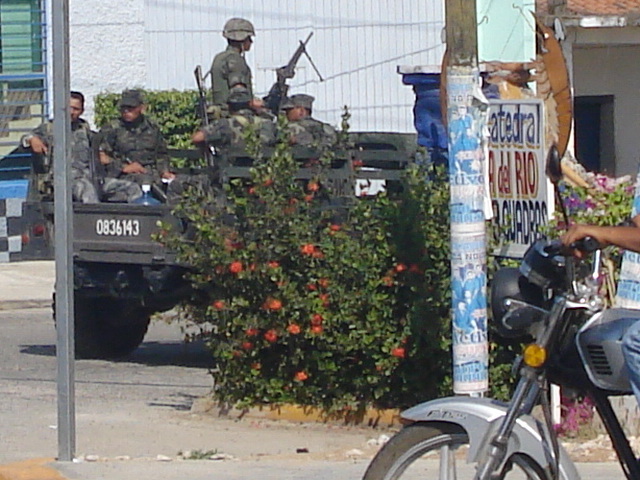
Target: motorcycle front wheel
438	451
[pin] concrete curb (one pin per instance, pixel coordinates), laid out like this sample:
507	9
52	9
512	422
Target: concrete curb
294	413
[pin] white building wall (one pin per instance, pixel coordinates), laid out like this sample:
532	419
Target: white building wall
614	70
357	46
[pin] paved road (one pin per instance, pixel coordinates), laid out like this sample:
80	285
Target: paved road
141	407
134	417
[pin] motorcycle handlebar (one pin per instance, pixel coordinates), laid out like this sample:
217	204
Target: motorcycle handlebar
585	245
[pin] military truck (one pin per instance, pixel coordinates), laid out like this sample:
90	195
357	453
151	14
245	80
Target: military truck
122	276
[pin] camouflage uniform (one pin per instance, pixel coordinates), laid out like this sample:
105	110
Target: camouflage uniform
229	68
141	142
308	131
228	132
83	190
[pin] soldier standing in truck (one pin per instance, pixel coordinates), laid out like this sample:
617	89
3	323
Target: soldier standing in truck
229	68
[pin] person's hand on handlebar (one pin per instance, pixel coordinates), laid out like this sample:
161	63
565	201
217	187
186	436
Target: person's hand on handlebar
626	237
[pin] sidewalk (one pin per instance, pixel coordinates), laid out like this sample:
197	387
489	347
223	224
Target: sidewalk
26	284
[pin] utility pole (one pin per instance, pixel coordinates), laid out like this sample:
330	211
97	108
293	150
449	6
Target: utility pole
466	108
63	219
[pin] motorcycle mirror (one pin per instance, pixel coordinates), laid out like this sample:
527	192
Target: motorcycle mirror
553	167
553	170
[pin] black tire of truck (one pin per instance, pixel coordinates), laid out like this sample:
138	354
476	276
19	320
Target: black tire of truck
106	328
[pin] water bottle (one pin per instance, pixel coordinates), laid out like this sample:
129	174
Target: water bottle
147	198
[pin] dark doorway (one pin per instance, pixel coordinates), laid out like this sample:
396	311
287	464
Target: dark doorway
594	133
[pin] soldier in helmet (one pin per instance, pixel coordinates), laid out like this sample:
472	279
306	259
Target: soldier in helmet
302	128
229	68
226	133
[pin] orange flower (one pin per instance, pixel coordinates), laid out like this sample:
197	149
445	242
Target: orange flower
256	366
268	182
316	319
308	198
273	264
317	254
317	329
312	287
272	304
313	186
251	332
308	249
301	376
247	345
235	267
388	281
325	299
400	267
398	352
218	304
323	282
251	190
334	227
271	336
293	329
236	353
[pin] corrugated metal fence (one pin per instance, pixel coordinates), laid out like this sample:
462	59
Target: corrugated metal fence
357	46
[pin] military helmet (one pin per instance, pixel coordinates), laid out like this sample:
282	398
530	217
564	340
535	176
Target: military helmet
238	29
302	100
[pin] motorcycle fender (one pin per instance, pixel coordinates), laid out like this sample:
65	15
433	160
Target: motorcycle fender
480	418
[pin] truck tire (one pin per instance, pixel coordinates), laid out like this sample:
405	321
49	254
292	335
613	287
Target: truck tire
106	328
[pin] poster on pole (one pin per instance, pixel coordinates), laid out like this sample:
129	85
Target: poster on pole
467	179
521	194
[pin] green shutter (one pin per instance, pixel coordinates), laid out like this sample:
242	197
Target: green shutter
20	36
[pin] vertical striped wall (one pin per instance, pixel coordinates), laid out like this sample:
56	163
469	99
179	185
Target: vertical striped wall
357	47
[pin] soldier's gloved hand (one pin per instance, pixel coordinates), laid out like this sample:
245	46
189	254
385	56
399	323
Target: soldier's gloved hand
37	145
133	167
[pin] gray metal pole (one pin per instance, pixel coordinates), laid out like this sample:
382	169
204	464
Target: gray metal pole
63	231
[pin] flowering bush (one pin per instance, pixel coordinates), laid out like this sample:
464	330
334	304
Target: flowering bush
311	303
606	201
577	413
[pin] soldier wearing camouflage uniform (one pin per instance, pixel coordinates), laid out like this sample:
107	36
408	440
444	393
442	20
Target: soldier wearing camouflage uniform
85	176
133	148
229	68
302	128
226	133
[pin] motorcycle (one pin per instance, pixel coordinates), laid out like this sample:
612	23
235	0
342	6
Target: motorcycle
552	303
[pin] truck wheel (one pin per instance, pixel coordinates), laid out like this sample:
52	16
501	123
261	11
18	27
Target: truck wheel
108	329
